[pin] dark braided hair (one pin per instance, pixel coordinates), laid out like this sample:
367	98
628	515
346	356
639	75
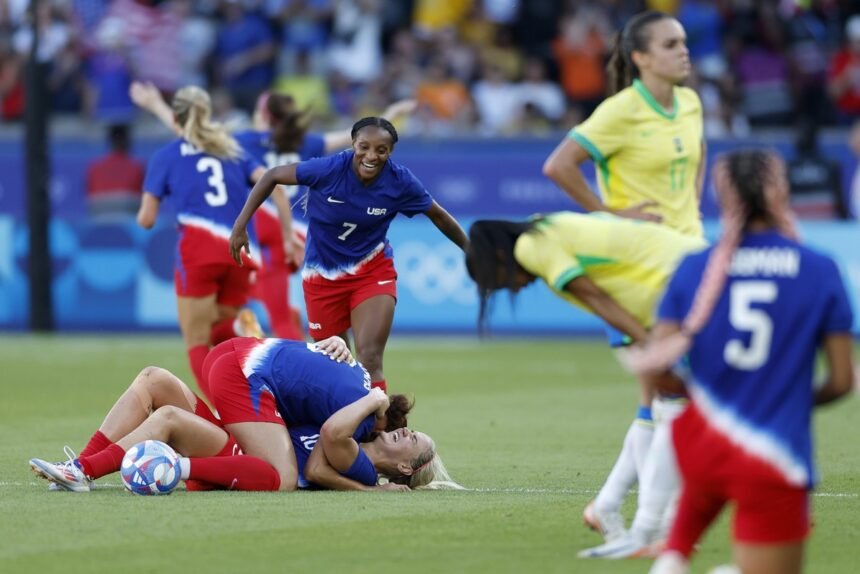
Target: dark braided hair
374	121
491	244
289	125
634	36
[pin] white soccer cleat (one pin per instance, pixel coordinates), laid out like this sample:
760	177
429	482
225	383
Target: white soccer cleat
626	546
610	524
68	475
670	563
247	325
724	569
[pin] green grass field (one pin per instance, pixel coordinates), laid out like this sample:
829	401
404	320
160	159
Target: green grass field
531	427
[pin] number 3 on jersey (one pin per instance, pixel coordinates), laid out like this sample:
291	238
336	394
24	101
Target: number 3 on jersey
744	317
212	166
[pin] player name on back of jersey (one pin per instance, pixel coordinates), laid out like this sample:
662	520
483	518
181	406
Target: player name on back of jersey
765	261
188	149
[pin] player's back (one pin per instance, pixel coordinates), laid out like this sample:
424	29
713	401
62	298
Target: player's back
753	362
308	385
204	188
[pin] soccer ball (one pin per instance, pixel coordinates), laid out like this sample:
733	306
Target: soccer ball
150	467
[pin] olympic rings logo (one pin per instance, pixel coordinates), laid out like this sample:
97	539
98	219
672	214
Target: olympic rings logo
435	273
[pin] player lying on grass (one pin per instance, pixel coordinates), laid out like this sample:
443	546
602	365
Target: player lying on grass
612	267
159	405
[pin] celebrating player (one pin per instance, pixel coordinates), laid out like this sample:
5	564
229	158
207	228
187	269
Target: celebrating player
751	312
646	142
159	406
349	278
206	175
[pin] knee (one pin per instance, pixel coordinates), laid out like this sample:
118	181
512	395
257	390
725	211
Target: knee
370	355
166	417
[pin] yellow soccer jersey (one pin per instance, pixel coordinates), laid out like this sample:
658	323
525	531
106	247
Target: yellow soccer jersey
642	153
631	260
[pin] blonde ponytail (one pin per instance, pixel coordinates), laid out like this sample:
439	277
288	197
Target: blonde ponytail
193	109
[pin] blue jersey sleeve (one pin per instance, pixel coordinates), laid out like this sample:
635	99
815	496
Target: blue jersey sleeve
312	146
313	171
679	293
416	199
362	470
839	317
156	181
248	164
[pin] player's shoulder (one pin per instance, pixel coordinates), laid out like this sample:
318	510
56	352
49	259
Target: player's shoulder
172	148
688	98
621	104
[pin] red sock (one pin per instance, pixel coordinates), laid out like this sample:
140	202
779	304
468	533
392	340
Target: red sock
196	356
106	461
221	331
380	384
242	472
203	411
98	442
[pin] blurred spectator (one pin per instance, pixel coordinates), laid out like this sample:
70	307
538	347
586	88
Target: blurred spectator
245	54
115	180
108	71
307	90
356	48
816	182
537	23
762	72
812	34
197	38
496	102
704	26
844	77
503	55
304	31
854	191
579	50
540	97
431	16
442	98
224	111
11	82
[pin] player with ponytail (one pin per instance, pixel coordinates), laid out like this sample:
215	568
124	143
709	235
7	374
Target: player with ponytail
206	176
750	313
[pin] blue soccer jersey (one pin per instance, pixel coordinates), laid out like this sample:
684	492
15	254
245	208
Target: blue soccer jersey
305	437
348	221
259	145
207	192
307	384
753	363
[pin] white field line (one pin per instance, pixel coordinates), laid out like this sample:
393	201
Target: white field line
512	490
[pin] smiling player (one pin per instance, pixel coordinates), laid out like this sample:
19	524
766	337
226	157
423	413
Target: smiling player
349	279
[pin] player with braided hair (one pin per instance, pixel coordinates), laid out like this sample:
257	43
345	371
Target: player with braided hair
750	313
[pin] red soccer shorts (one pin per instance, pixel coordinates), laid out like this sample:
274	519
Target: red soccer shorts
330	302
232	394
768	509
203	267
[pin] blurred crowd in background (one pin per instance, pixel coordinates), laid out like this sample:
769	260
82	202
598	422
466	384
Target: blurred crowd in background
492	67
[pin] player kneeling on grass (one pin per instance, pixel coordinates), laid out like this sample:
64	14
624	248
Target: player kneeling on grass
215	459
751	314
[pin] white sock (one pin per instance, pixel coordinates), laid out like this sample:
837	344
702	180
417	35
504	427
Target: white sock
184	468
621	478
659	482
642	432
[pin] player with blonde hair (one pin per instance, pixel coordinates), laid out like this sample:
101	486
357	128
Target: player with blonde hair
206	176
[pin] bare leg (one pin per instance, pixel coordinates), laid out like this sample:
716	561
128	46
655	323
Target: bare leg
188	434
270	442
371	325
151	389
769	558
196	317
